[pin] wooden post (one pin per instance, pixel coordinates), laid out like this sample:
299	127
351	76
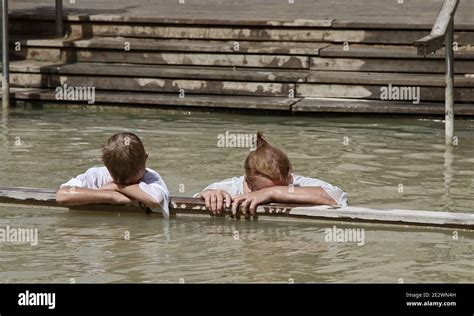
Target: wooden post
59	19
5	60
449	119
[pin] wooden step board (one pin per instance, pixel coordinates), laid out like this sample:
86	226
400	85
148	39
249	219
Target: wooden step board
295	105
235	81
364	35
164	100
389	52
161	71
296	55
422	66
374	92
389	58
182	205
175	45
164	58
154	85
337	105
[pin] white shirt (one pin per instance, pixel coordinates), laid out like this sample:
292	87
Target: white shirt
152	184
235	186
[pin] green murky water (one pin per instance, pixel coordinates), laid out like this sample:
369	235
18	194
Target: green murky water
380	162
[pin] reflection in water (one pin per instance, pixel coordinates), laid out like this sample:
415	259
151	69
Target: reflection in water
56	144
448	175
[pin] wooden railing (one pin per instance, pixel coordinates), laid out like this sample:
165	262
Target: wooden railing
324	213
443	33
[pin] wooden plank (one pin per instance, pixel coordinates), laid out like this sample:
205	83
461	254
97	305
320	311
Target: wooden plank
165	100
429	44
233	20
31	196
373	92
435	40
389	51
407	65
406	37
335	105
154	85
161	71
164	58
177	45
378	78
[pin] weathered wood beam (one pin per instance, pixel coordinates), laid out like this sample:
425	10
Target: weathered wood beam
182	205
431	43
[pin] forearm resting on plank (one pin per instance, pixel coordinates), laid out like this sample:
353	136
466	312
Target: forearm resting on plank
136	193
303	195
78	196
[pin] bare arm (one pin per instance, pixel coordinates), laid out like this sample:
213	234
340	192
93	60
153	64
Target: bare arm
281	194
79	196
303	195
135	193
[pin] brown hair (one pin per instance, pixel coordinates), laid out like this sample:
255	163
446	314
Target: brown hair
268	162
124	156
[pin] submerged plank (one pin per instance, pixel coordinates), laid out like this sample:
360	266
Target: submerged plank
165	100
33	196
339	105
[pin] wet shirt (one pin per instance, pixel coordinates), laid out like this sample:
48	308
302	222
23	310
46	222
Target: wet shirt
152	184
235	186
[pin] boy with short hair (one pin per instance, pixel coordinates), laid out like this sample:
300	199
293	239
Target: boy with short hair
122	180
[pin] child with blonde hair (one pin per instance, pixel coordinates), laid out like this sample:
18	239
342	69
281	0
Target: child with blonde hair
268	178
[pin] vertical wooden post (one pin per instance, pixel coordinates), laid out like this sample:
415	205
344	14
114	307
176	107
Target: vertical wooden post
59	19
5	60
449	107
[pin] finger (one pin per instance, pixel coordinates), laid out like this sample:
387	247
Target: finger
220	201
253	207
213	204
207	201
235	207
228	200
244	208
